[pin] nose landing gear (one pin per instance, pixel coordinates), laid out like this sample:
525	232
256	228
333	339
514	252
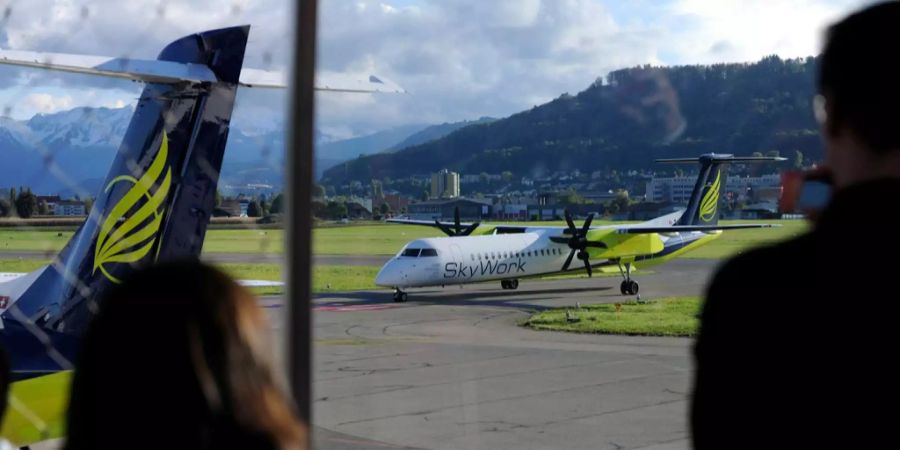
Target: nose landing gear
509	284
399	296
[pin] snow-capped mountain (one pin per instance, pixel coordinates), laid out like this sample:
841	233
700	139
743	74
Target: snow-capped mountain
80	144
81	127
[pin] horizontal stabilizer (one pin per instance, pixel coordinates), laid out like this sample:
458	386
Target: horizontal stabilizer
686	228
147	70
170	72
721	157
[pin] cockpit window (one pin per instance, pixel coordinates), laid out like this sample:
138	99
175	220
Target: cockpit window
411	252
428	252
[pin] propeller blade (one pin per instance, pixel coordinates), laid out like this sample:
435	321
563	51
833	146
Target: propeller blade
587	224
595	244
569	221
444	228
560	239
470	229
587	266
568	260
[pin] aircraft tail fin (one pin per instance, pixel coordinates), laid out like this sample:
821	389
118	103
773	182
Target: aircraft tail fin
703	206
159	194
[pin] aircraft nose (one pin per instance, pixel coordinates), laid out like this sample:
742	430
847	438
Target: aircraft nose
388	276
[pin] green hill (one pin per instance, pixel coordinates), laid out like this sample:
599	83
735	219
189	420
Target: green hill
624	122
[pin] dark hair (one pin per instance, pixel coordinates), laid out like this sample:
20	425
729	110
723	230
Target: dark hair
178	356
859	75
5	380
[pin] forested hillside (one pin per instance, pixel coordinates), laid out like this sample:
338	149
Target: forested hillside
625	121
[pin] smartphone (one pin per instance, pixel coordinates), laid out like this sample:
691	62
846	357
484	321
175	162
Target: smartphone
814	195
805	192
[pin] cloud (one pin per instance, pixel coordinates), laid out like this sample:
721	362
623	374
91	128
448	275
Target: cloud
459	59
46	103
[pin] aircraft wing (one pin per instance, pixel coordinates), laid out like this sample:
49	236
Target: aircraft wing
487	228
686	228
170	72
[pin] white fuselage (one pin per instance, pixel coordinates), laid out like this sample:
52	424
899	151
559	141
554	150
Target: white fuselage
471	259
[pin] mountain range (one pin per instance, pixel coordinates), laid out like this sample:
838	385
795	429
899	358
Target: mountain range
79	145
625	121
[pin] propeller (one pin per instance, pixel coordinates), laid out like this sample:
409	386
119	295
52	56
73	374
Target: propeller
458	229
578	242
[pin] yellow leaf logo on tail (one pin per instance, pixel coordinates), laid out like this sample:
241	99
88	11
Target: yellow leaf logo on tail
710	201
135	235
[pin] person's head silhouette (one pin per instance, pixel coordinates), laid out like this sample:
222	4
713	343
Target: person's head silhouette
178	356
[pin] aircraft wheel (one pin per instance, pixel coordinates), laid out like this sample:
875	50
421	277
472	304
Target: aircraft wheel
400	296
403	297
504	284
633	287
624	287
513	284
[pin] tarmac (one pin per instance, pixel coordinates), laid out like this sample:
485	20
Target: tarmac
452	369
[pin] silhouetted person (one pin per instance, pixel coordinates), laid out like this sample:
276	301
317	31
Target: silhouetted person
798	341
178	356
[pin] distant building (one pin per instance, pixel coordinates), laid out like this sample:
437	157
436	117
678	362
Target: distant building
396	202
358	210
69	208
230	208
51	201
557	212
445	184
469	209
678	190
377	193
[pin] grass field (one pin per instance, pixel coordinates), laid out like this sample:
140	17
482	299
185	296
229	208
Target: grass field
374	239
666	317
325	278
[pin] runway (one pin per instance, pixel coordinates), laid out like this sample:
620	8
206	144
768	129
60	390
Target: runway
451	369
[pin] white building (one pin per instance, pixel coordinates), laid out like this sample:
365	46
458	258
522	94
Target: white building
678	189
445	184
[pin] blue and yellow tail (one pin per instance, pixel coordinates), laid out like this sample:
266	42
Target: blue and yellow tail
155	204
703	206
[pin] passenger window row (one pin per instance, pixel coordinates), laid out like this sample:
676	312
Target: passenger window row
506	255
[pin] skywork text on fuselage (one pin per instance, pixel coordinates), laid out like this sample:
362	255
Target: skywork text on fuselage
461	270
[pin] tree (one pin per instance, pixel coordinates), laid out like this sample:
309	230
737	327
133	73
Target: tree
12	196
621	202
425	196
43	209
88	205
218	198
278	204
5	208
506	176
385	209
254	209
336	210
264	207
26	204
319	190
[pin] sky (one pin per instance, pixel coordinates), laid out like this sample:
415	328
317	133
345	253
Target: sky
458	59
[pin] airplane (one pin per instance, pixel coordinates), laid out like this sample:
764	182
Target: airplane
475	252
155	204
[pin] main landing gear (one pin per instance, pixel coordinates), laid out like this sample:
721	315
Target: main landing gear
399	296
628	286
509	284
